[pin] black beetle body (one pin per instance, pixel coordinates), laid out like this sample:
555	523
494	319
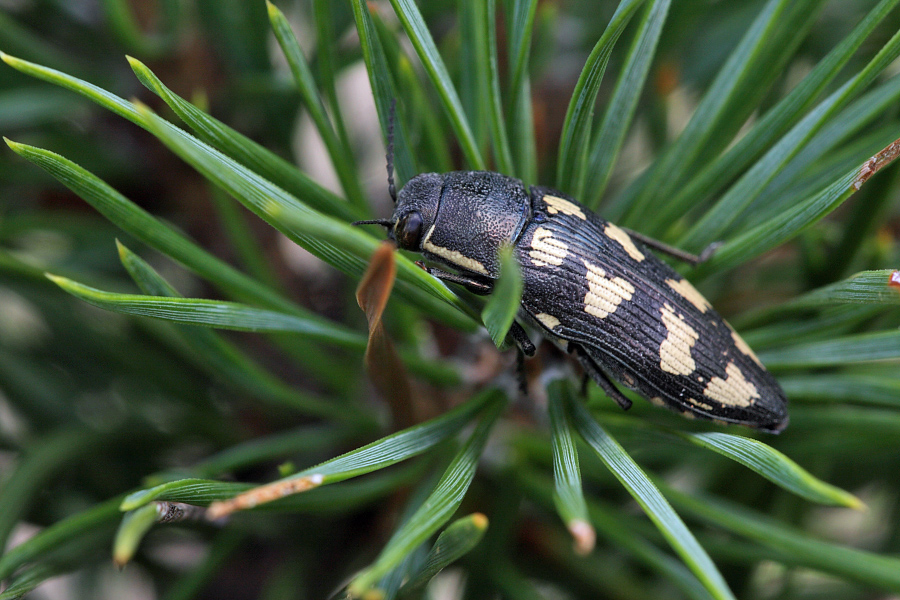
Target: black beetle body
594	289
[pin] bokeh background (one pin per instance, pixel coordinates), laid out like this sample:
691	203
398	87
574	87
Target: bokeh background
93	403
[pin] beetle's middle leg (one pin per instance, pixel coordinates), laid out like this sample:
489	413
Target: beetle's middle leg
525	347
693	259
590	367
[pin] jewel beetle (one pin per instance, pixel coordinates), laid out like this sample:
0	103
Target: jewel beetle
593	288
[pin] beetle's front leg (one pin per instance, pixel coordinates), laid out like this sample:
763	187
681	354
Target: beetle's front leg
473	285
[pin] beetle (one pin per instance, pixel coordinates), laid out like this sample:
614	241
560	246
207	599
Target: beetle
591	287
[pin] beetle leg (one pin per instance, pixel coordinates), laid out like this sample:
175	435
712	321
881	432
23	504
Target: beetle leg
522	340
473	285
525	347
590	367
520	373
693	259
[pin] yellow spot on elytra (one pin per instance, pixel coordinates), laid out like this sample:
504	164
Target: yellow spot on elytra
556	204
454	257
548	321
684	289
624	240
604	295
675	350
545	249
735	390
699	404
743	347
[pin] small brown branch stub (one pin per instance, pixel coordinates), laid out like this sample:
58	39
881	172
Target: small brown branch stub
262	495
894	279
584	535
876	163
172	512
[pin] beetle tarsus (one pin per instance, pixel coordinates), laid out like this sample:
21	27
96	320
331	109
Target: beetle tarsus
590	367
708	252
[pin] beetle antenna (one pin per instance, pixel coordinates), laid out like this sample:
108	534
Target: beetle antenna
390	152
383	222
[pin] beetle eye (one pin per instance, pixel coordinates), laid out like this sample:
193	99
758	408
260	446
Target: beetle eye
409	230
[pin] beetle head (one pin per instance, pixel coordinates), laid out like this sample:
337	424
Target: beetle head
416	210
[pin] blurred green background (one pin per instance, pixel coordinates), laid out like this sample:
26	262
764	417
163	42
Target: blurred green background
95	404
